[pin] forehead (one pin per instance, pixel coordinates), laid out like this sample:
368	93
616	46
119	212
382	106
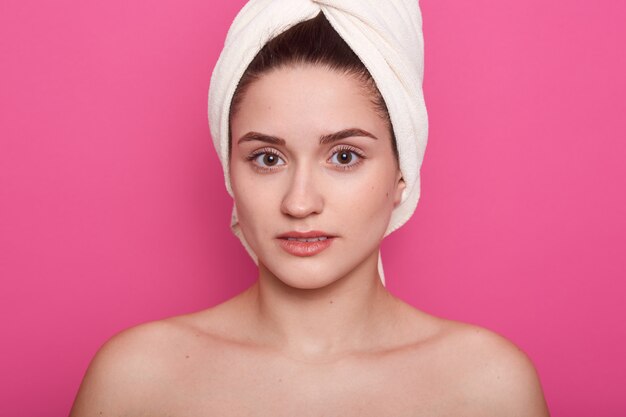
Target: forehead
306	98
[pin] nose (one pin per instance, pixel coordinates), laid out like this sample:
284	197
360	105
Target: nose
302	197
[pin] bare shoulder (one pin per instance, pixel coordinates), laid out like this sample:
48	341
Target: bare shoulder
132	368
494	372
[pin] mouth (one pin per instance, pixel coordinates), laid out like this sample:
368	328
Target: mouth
306	236
312	239
305	243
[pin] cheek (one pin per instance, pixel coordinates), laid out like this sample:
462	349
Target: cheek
241	193
367	199
255	201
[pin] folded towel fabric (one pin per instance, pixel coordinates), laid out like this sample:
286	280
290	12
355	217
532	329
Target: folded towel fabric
385	34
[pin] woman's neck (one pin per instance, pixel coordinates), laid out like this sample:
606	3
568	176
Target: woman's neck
348	315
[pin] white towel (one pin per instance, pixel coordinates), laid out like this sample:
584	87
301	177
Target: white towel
385	34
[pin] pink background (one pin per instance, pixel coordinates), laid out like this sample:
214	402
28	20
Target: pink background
113	209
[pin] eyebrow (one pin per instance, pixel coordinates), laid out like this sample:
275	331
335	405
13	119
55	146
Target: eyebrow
324	139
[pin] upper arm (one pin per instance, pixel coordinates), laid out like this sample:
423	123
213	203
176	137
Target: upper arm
506	382
121	376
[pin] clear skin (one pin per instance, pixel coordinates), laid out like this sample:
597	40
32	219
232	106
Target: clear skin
319	335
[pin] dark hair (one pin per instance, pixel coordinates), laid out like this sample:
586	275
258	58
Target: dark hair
312	41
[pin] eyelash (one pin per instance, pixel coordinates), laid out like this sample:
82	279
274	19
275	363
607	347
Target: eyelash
352	149
258	152
338	149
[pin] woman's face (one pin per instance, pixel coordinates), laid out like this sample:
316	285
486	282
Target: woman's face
289	174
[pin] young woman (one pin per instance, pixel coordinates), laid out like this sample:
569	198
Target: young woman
315	169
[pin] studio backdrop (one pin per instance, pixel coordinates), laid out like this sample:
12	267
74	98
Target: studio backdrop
113	210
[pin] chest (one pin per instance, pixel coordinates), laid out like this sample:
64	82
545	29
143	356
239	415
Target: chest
269	386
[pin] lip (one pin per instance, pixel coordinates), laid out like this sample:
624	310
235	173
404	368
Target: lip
297	248
303	235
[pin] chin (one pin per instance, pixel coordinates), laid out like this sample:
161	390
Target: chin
306	278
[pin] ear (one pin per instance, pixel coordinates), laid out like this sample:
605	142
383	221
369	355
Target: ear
400	186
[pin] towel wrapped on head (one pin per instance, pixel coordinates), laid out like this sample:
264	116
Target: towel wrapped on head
385	35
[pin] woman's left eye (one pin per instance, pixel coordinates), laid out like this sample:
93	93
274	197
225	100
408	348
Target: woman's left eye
344	158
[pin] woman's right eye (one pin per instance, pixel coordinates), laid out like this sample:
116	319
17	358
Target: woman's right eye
266	160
